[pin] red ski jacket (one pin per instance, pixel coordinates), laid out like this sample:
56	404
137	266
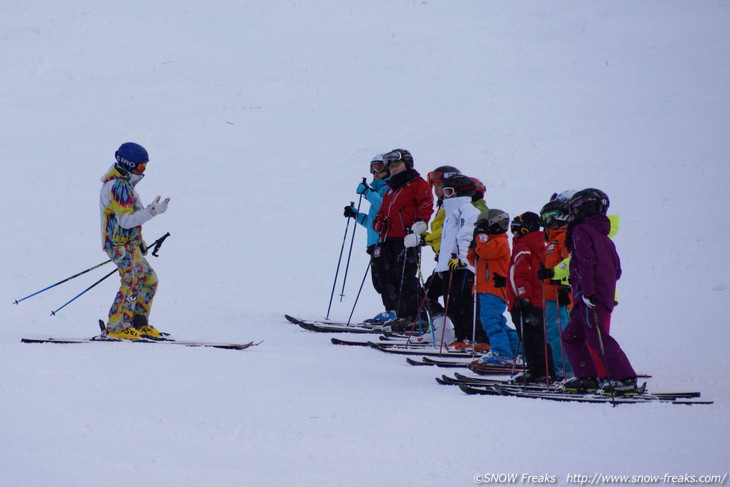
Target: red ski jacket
407	199
528	253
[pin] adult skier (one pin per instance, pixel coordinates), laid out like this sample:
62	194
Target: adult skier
373	192
401	220
122	217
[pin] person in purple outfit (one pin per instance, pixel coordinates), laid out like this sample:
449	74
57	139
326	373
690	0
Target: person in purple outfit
594	269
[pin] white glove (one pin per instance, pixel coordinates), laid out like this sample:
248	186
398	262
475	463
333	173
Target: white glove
158	207
419	227
412	240
588	302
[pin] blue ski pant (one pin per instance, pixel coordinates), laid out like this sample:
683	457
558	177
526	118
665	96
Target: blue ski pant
556	319
502	339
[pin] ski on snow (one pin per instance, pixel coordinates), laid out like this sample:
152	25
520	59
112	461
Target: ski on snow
333	326
482	386
103	338
597	397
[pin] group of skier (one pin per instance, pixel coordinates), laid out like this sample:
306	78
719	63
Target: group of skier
558	284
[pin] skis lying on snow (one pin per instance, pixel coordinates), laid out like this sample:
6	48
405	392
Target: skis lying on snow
105	339
333	326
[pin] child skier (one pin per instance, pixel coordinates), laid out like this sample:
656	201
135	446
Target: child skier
525	295
554	218
456	274
594	269
490	255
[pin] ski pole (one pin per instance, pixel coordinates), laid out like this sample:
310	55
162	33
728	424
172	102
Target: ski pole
155	248
339	261
17	301
53	313
560	329
352	241
545	338
474	297
446	305
357	298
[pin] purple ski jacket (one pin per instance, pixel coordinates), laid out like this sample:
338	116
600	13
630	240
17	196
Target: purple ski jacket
594	263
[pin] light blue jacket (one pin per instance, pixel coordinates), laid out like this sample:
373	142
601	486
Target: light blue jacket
375	197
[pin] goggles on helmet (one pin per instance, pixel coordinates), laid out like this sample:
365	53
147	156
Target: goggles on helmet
392	157
438	176
377	167
549	216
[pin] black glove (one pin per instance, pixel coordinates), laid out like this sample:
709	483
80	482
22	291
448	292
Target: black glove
350	212
522	304
564	296
544	273
143	248
499	281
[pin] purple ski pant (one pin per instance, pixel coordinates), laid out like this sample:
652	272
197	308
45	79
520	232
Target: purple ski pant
582	327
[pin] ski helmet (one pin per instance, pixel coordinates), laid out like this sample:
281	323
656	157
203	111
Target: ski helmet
479	189
398	155
588	202
377	165
564	196
458	185
555	210
492	221
525	223
442	172
130	155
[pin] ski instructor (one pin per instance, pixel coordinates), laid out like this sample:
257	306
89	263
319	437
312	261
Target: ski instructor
122	216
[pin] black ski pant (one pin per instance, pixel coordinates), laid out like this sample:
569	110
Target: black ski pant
376	273
529	325
461	304
398	268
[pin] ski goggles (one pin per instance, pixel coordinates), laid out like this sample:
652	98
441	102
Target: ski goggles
549	216
438	176
449	192
377	167
391	157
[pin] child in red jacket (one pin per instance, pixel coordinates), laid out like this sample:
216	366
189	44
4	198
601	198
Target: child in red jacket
525	294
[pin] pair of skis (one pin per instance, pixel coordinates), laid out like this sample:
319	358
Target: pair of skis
103	338
482	386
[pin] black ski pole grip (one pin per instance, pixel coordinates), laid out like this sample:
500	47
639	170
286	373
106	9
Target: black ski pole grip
158	244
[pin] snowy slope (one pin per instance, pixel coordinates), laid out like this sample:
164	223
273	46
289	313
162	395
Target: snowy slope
260	118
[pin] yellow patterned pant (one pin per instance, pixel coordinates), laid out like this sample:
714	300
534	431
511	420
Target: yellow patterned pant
138	285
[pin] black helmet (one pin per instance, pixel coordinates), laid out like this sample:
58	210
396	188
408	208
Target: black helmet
556	210
398	155
460	186
441	173
588	202
525	223
492	221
